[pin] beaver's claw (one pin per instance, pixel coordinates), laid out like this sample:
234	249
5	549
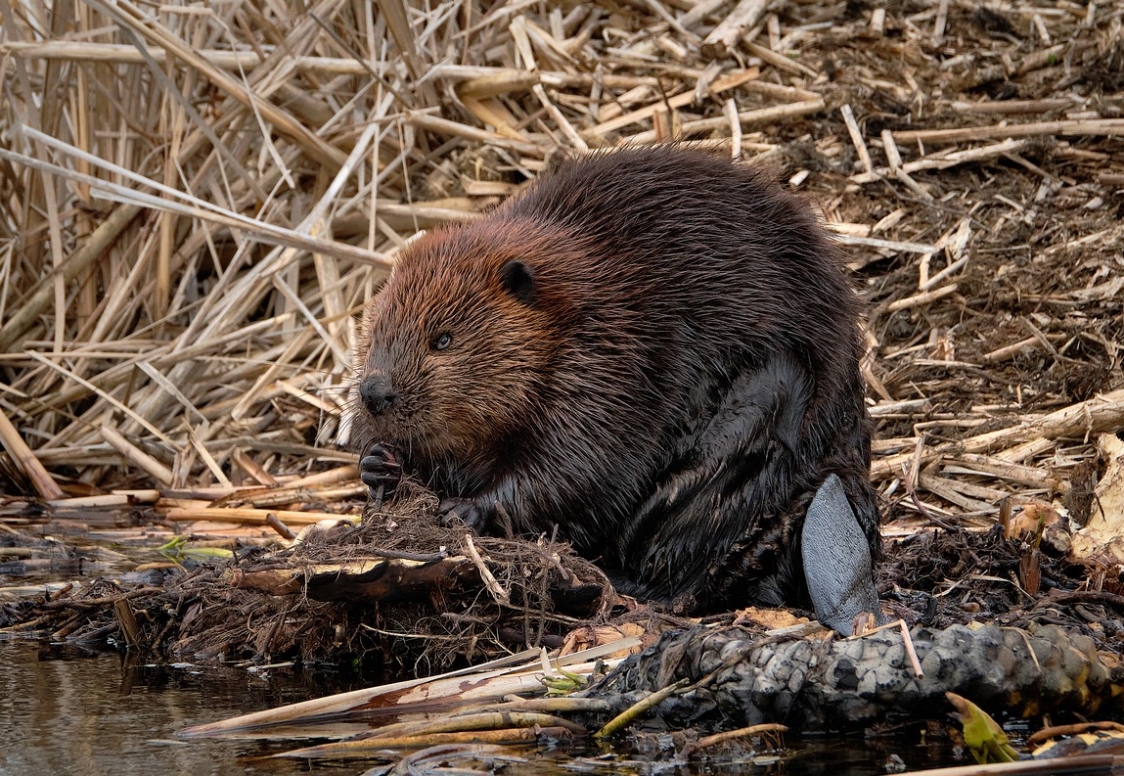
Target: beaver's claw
464	510
380	469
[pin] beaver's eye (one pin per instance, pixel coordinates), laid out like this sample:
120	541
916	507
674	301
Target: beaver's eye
442	341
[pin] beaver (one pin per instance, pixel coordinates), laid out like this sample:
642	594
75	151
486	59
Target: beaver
654	352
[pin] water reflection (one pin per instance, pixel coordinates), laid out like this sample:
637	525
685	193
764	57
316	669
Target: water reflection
62	712
80	714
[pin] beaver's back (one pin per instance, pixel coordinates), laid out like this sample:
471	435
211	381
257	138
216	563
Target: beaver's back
699	255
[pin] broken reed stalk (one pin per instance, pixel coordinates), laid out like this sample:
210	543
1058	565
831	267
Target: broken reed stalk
252	516
488	726
1077	421
44	484
370	748
771	728
1106	127
420	694
639	709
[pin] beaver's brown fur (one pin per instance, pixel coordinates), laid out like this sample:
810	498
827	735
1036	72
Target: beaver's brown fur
656	351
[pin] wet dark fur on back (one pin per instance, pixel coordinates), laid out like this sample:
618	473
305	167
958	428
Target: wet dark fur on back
655	350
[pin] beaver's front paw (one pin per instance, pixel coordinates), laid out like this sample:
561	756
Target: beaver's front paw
380	470
465	510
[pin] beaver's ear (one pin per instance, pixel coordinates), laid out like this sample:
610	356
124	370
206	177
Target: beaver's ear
519	281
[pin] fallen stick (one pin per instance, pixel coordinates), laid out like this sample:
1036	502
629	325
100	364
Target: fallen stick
780	61
1014	106
1103	413
681	100
857	137
448	128
880	244
972	463
253	516
724	38
1104	127
143	460
936	162
923	298
761	115
44	484
1008	352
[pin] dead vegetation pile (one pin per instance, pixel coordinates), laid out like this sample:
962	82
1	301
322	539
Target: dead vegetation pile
395	592
195	203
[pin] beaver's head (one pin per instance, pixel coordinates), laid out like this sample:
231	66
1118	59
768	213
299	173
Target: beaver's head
458	342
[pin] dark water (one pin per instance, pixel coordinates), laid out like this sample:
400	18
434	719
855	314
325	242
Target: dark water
63	712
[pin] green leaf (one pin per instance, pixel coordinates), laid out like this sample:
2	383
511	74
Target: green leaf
982	734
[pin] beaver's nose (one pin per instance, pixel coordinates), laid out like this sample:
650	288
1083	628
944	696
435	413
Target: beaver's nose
377	393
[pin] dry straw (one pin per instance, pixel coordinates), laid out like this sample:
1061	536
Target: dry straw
196	200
